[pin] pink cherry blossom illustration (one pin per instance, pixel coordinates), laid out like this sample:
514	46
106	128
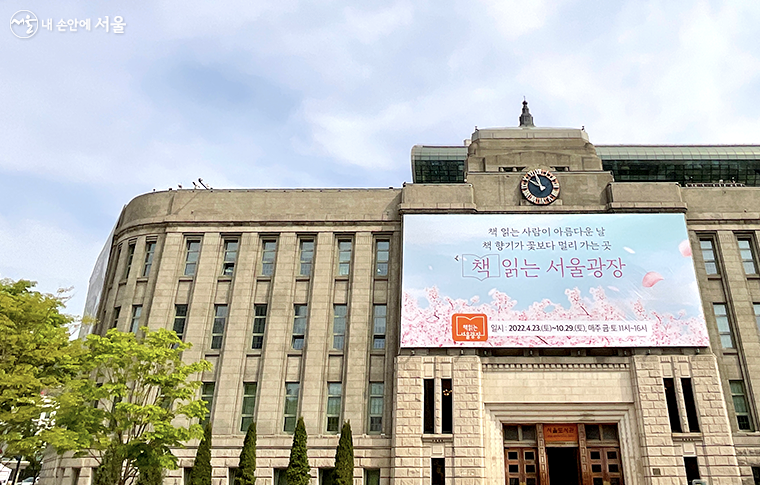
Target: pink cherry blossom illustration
651	278
685	248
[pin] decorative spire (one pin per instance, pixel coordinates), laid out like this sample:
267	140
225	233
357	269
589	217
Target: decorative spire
526	119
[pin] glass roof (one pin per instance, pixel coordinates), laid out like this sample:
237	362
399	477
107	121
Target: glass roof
683	152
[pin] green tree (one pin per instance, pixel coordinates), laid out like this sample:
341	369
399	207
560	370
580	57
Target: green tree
121	409
344	457
35	356
201	474
247	465
298	466
151	475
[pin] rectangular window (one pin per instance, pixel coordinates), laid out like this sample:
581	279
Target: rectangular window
192	252
378	327
116	312
259	325
756	475
299	326
207	396
344	257
691	406
429	406
339	325
382	257
130	257
376	400
371	476
692	468
327	476
134	325
220	321
186	475
180	319
334	392
291	406
741	407
232	475
269	251
307	256
150	249
670	398
708	255
75	475
447	407
756	308
438	471
280	476
747	254
230	256
249	402
724	327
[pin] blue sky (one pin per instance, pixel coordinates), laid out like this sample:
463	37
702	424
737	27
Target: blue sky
333	93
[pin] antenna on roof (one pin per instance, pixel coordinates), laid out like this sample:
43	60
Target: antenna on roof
195	186
204	185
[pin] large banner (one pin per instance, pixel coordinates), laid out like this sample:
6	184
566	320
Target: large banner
545	280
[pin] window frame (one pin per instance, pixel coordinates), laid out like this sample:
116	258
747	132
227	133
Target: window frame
219	326
192	256
306	265
131	246
340	319
748	413
208	398
248	408
334	394
292	392
134	321
378	261
229	256
267	265
259	318
150	250
712	259
115	317
300	325
344	265
376	394
378	336
747	255
180	318
726	330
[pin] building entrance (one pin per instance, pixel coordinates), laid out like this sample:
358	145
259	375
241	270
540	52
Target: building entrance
562	454
563	466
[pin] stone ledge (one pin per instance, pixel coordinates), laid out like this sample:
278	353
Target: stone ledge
570	367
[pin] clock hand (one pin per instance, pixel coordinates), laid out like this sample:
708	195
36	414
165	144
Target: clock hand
536	184
539	183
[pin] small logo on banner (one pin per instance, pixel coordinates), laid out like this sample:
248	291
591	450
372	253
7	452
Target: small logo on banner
469	327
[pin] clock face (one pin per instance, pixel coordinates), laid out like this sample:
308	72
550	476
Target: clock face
540	187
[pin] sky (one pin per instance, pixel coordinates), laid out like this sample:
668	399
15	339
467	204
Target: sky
289	93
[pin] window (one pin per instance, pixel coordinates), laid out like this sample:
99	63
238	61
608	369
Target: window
747	254
186	471
249	401
334	392
259	325
291	406
741	407
756	474
280	476
232	475
376	399
708	255
150	248
134	325
327	476
428	400
269	251
344	257
230	256
191	257
437	471
447	407
116	312
756	307
180	318
691	406
217	331
75	475
130	257
299	326
692	468
371	476
378	327
670	398
382	256
724	327
339	326
207	396
307	256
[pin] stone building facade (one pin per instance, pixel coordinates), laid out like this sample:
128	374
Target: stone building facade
294	296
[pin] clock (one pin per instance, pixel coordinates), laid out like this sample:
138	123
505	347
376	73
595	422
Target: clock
540	187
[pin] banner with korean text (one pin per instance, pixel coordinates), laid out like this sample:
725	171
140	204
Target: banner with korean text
549	280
